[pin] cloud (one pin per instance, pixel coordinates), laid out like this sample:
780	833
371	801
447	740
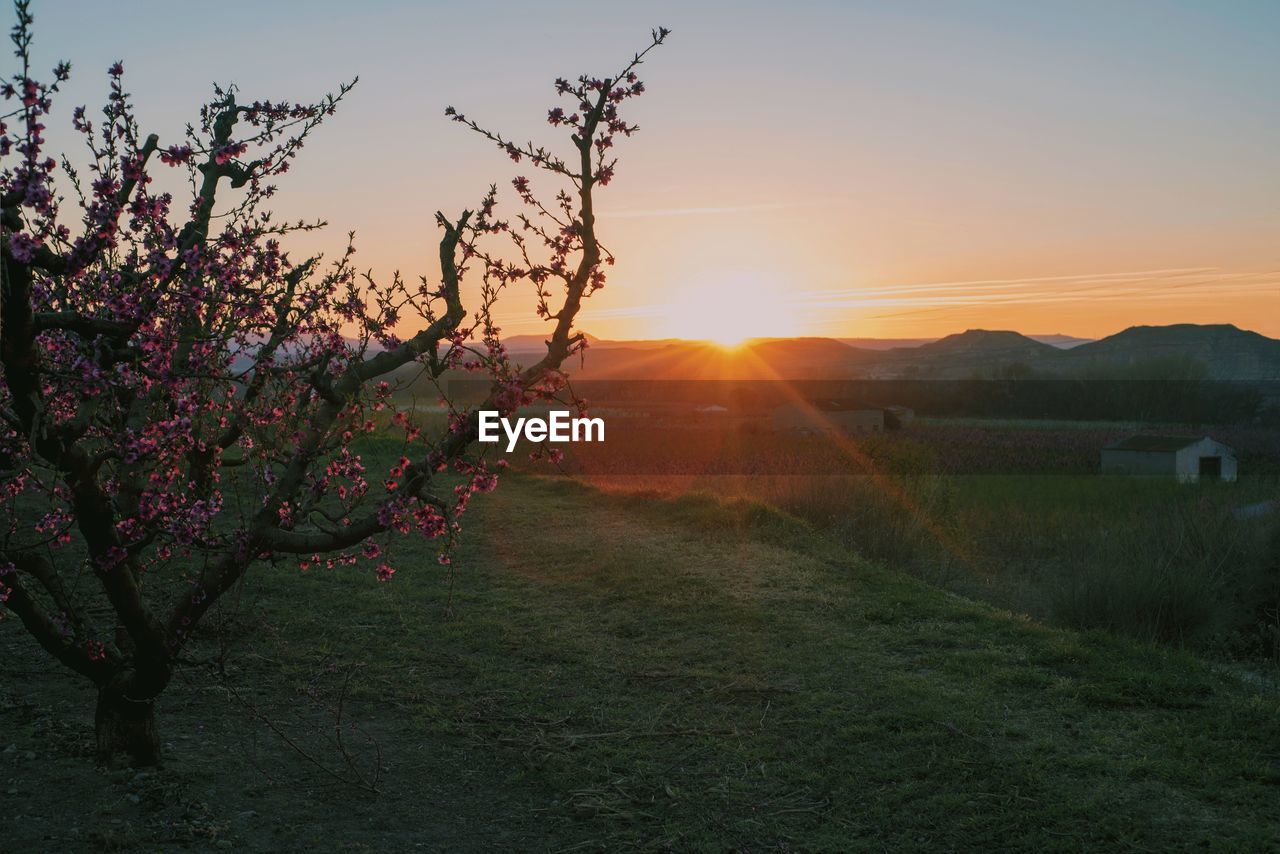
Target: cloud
1164	284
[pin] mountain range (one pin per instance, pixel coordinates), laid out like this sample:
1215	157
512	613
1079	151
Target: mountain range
1180	351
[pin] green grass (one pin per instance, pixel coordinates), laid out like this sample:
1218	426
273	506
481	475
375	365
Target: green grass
614	672
1146	557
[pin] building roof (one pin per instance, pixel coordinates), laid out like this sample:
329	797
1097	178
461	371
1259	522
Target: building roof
1158	444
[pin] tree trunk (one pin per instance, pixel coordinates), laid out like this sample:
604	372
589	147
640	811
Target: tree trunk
126	728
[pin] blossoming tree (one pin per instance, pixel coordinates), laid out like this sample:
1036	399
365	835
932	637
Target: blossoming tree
182	399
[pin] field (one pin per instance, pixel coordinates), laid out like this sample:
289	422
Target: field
709	445
1012	512
613	671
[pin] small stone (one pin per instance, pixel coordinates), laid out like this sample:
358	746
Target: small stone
30	755
134	799
224	843
11	791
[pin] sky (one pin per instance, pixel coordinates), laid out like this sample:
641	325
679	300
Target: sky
845	169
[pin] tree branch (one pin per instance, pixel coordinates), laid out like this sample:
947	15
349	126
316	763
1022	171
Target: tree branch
44	629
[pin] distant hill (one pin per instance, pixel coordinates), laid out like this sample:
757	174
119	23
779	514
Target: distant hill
884	343
1182	351
986	343
1225	351
1064	342
810	351
972	353
535	343
1168	352
1055	339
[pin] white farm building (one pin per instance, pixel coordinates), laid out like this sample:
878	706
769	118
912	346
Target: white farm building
1186	458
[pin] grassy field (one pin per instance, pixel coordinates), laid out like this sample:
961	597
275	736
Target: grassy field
1145	557
1013	512
612	671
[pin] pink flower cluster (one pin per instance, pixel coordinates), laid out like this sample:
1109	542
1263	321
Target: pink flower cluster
184	395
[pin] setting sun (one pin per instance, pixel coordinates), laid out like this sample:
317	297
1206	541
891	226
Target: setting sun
731	309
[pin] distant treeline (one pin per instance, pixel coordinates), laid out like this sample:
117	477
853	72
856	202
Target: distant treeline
1186	401
1180	401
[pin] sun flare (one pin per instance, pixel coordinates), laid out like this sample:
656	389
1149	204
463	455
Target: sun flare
731	309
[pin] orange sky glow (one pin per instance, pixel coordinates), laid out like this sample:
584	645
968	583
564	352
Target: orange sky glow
860	169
